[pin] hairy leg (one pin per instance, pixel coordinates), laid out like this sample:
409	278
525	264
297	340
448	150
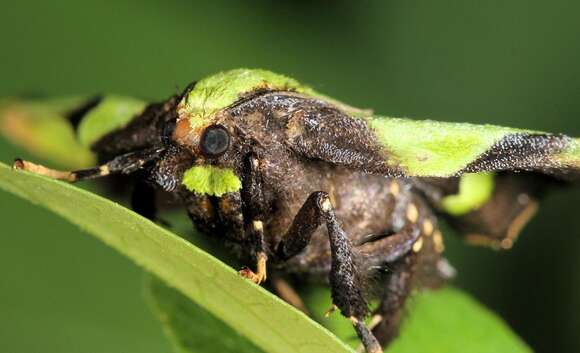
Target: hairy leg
345	280
421	267
253	210
398	285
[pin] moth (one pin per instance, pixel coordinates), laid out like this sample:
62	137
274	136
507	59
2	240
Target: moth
299	184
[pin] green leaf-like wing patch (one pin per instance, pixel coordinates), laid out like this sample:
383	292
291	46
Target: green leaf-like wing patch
439	149
474	191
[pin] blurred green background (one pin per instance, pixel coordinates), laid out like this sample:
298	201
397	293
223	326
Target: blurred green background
512	63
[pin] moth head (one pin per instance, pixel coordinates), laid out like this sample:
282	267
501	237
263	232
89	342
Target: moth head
215	148
205	103
205	127
215	168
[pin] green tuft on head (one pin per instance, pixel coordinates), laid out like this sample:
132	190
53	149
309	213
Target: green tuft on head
210	180
217	92
474	191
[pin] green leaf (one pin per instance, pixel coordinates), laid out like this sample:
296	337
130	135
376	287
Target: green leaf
445	320
113	112
249	309
450	321
190	327
40	126
201	291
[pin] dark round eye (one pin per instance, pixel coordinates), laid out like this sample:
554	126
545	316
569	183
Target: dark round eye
215	141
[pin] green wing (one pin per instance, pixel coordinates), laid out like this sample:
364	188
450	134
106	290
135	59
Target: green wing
467	171
47	127
438	149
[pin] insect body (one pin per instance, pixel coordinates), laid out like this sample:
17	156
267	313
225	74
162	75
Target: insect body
305	185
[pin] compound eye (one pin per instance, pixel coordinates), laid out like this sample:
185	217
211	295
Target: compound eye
215	141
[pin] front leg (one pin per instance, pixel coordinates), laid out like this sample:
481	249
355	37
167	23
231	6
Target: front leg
345	280
253	211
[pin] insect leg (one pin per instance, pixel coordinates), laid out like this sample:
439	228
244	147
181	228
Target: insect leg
398	284
411	258
423	269
345	280
123	164
253	212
